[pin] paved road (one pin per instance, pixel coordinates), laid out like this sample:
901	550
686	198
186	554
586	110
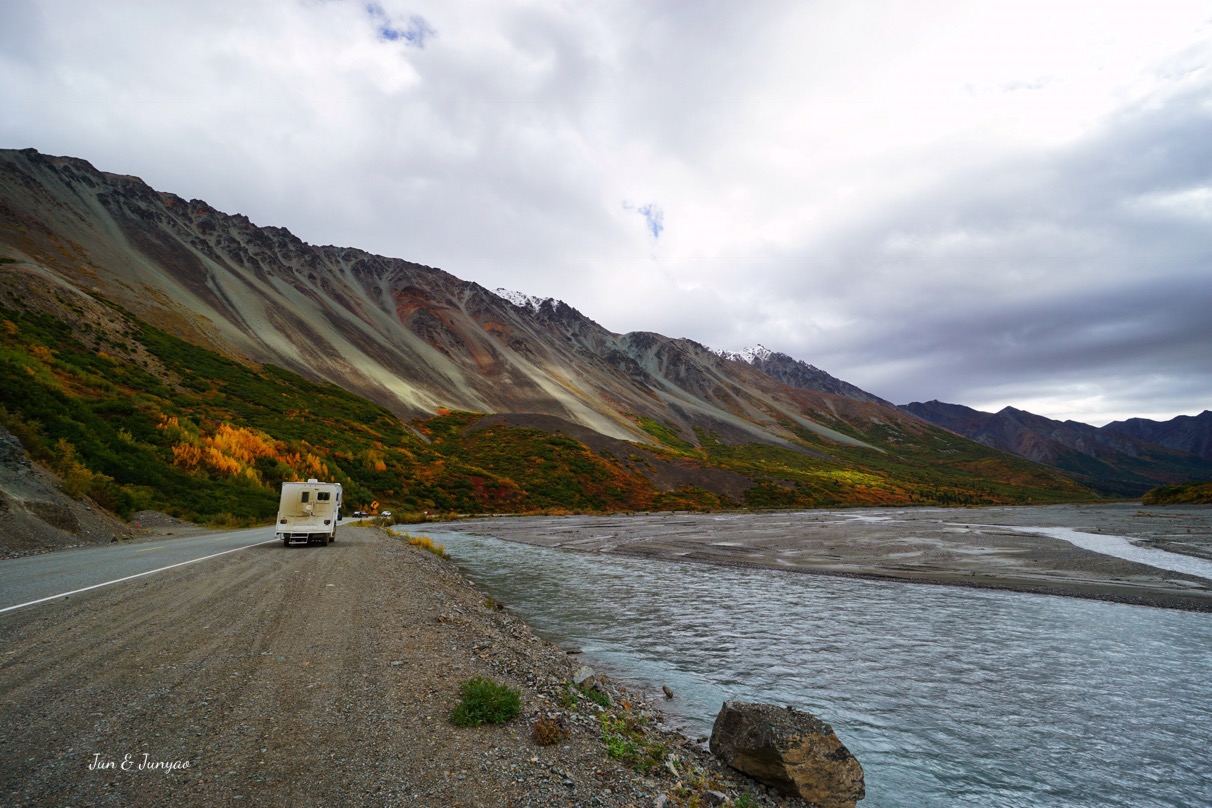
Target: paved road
26	582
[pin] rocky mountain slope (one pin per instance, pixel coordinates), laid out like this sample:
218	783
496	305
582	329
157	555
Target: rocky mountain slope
35	513
187	360
413	338
1122	458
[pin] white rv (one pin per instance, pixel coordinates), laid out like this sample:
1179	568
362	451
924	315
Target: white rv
309	512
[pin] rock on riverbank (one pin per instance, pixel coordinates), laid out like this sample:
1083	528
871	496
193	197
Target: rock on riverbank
793	751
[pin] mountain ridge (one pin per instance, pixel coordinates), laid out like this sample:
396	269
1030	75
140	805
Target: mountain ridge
411	337
1184	433
1118	459
799	374
498	395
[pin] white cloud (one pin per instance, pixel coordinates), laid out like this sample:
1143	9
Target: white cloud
932	200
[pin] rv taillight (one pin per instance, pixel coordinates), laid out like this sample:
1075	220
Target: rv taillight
282	522
328	521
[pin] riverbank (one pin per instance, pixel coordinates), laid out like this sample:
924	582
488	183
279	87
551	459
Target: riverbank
949	695
316	676
992	548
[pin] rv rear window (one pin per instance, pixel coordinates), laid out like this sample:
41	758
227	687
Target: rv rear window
322	496
305	496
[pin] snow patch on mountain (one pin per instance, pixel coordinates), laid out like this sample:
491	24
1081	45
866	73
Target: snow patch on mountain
749	356
525	301
798	373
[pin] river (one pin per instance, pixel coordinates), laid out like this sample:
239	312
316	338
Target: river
947	696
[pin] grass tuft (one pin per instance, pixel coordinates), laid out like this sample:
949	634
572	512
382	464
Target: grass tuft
486	702
426	543
626	738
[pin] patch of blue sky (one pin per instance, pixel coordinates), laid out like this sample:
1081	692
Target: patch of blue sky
415	34
654	217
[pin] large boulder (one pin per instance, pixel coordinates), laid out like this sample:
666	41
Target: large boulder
792	751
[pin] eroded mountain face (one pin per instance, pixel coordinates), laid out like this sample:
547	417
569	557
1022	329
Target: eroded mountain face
413	338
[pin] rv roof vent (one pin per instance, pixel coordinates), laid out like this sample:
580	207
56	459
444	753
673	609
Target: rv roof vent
312	480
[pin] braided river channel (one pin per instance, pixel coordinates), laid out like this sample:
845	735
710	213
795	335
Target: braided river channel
948	696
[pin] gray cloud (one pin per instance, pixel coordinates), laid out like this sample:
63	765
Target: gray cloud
921	209
1092	264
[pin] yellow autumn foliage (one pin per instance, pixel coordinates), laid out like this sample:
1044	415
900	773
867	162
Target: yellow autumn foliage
374	460
218	461
242	445
233	451
315	467
187	455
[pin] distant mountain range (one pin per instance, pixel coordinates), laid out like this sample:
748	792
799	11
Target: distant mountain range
1123	458
1184	433
755	428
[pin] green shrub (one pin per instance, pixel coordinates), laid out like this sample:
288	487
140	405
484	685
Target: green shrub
596	696
486	702
571	695
626	738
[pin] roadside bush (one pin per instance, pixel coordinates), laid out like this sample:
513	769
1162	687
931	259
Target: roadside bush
411	518
486	702
547	732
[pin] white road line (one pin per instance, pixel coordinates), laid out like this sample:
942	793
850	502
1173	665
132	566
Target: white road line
130	577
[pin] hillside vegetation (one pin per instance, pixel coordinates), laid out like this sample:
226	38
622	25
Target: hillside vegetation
1191	493
138	419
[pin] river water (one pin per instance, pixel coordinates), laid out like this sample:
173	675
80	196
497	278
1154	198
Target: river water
947	696
1123	547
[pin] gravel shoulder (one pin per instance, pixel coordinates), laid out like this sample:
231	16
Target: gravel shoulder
308	676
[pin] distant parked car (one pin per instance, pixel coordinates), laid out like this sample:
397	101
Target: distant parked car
358	514
385	513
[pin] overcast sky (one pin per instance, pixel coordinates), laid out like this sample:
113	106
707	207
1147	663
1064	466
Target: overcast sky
988	203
